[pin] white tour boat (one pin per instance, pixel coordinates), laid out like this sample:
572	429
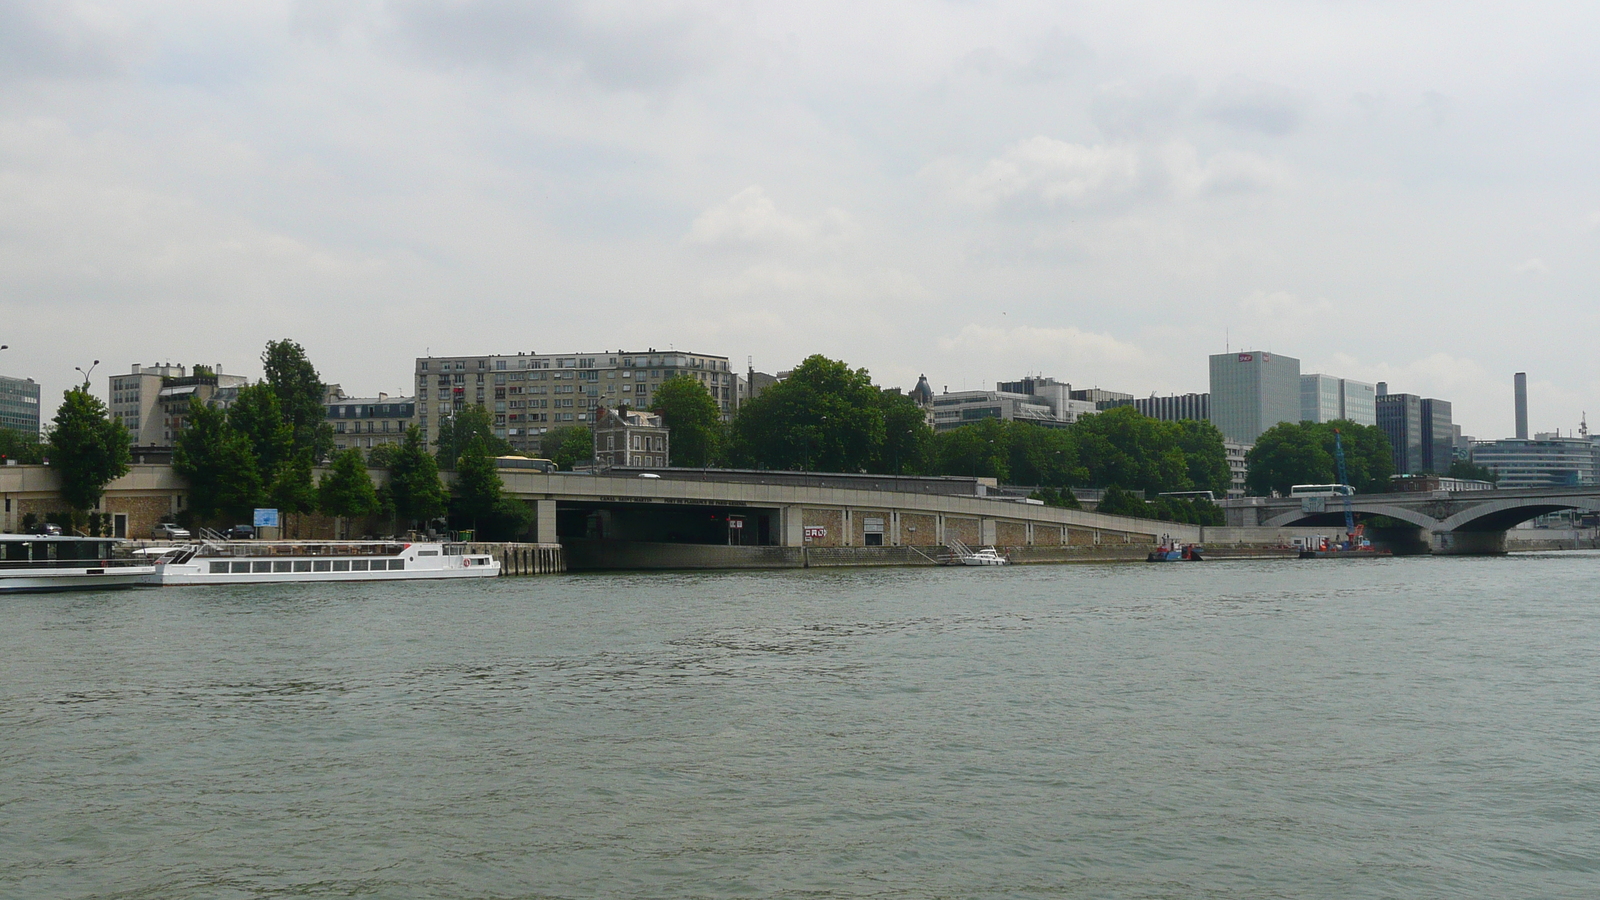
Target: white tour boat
34	563
988	556
268	562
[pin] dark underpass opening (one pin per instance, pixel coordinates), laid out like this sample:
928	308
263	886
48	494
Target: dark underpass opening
666	523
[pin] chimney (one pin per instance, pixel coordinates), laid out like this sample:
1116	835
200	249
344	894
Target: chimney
1520	381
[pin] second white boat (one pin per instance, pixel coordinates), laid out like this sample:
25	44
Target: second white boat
267	562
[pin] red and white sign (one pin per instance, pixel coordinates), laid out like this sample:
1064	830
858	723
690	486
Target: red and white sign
1246	357
816	531
735	522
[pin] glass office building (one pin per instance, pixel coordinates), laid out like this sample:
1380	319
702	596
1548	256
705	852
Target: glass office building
1324	398
19	404
1253	391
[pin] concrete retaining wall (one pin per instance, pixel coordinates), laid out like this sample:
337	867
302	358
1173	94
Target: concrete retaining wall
524	559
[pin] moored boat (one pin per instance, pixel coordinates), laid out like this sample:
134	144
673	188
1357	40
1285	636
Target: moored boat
37	563
267	562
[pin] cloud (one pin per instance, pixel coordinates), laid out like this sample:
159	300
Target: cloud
1247	105
1043	173
1126	110
617	45
749	219
41	39
1533	266
1032	348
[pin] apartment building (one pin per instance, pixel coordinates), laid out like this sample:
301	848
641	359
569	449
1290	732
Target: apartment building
152	402
530	393
367	422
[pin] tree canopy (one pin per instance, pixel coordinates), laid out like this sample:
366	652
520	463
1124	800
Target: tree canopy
22	446
569	446
300	394
219	463
1291	453
825	417
688	410
414	486
346	489
472	425
88	449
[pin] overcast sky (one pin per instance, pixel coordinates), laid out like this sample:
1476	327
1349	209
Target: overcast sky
1104	193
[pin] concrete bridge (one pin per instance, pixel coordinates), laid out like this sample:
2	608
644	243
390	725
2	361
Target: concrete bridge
607	516
1460	522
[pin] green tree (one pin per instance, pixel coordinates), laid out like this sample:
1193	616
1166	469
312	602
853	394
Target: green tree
686	407
1045	456
569	446
825	417
1206	458
382	456
1287	454
22	446
291	490
478	489
220	465
1124	446
414	484
1368	459
979	450
907	439
301	395
346	490
258	416
1118	502
87	449
1464	469
470	425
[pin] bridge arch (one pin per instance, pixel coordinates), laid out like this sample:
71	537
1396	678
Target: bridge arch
1499	515
1419	519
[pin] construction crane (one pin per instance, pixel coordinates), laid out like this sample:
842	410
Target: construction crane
1349	502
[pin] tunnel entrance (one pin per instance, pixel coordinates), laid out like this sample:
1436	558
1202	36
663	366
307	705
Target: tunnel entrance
737	526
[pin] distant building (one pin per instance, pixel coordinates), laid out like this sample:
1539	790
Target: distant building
368	422
530	393
630	439
1042	401
1252	391
1103	399
152	402
1546	460
1176	407
1237	468
19	405
1325	398
1421	435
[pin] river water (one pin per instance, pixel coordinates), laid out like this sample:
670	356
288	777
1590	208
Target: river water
1342	729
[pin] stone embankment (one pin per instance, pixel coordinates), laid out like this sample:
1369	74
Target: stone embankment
524	559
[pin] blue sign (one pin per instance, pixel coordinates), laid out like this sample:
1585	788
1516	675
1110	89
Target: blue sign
266	518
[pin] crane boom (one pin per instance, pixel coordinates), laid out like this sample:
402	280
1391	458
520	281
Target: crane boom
1349	511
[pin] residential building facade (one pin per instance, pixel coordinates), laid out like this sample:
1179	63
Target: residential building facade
19	404
136	402
1326	398
368	422
630	438
1252	391
530	393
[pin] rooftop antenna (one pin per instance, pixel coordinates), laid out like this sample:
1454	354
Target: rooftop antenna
1583	425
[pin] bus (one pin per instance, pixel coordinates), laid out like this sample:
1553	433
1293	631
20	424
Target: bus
523	462
1191	495
1321	490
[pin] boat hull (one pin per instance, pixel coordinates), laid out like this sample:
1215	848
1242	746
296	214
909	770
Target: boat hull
87	579
294	562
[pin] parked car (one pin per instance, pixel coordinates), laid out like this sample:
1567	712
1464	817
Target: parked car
46	528
170	532
240	533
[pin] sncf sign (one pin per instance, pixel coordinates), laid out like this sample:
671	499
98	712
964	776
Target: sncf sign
1246	357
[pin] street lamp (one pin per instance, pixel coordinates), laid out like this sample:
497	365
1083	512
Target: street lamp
80	371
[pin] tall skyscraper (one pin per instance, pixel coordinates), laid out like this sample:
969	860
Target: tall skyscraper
19	405
1324	398
1520	385
1438	436
1253	391
1400	417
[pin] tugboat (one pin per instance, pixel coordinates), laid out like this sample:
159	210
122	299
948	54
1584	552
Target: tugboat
1173	551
